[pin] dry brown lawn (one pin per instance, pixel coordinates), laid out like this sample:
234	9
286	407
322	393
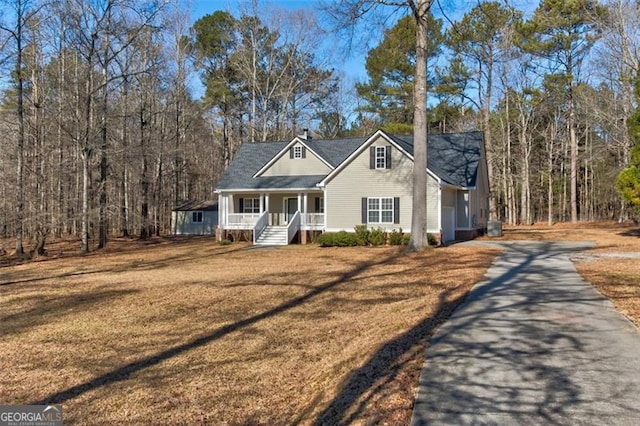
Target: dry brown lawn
182	331
615	276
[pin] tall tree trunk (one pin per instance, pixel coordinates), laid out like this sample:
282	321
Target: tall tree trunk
488	140
574	156
144	210
124	181
550	147
87	149
102	212
19	227
419	210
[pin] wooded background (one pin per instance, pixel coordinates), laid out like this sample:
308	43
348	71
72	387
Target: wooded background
105	128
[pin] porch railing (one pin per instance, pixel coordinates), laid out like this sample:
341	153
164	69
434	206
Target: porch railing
242	220
293	227
260	225
312	220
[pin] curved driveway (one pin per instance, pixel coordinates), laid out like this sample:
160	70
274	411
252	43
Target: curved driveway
533	344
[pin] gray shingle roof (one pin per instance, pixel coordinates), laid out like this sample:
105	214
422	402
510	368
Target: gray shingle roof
453	157
335	151
207	205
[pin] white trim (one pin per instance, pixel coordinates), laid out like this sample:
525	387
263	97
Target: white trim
325	195
439	207
380	210
284	150
262	190
383	149
305	201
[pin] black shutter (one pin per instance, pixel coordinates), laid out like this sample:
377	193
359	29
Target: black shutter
317	205
388	155
372	158
241	205
365	215
291	152
396	210
304	152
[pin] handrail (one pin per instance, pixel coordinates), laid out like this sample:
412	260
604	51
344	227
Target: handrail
293	227
242	218
312	219
260	225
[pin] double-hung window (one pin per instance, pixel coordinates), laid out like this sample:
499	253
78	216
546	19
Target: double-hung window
297	152
381	157
196	217
251	205
380	210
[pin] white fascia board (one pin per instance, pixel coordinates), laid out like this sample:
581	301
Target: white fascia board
257	190
285	149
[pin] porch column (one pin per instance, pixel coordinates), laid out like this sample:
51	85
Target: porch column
266	202
261	203
299	202
221	211
303	230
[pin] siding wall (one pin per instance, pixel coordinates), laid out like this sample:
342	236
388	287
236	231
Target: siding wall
181	223
285	166
343	202
449	197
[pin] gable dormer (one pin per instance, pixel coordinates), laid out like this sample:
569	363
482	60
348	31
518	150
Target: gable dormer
296	159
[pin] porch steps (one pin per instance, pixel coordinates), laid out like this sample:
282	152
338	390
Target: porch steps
273	236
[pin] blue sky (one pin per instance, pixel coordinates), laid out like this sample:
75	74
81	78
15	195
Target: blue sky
351	64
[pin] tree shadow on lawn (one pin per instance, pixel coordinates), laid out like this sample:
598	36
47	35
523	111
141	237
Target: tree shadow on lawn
126	266
126	371
371	380
47	309
525	355
635	232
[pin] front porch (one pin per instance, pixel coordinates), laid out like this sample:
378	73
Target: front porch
272	213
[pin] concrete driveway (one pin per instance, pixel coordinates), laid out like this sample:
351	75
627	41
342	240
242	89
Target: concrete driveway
533	344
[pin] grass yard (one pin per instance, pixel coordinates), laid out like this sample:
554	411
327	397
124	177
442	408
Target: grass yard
178	331
613	267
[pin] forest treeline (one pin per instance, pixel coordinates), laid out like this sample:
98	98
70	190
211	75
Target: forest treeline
114	111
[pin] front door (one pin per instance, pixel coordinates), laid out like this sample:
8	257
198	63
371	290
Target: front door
290	208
